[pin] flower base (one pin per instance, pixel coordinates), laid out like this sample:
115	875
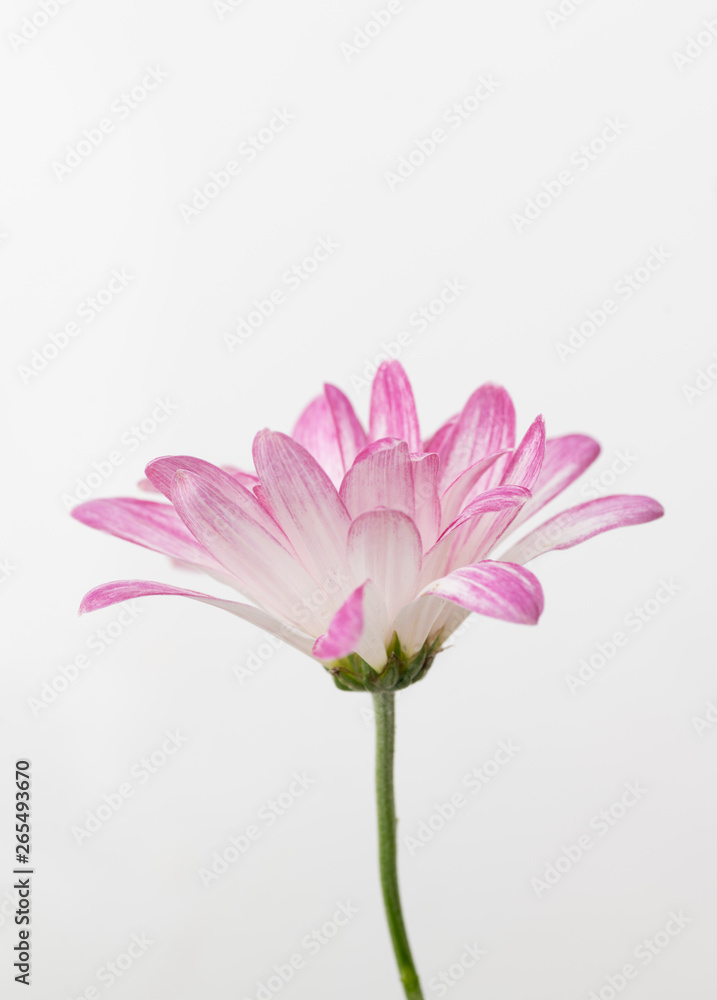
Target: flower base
353	673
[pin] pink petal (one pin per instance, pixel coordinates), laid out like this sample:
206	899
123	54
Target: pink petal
582	522
263	569
124	590
565	459
316	431
163	470
427	503
385	546
496	589
349	432
380	477
156	526
440	441
305	503
393	408
359	626
486	426
467	486
475	531
416	621
527	460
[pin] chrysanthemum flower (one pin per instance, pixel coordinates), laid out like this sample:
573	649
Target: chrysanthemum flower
365	549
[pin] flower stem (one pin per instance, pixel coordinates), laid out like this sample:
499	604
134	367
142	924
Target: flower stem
384	707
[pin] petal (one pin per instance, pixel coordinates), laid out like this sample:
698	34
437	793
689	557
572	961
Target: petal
385	546
464	488
156	526
426	501
123	590
415	622
440	441
315	430
565	459
527	459
496	589
393	408
305	503
582	522
262	568
486	426
350	434
474	532
380	477
359	626
162	471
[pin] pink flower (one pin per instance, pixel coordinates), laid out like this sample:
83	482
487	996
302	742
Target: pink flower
366	550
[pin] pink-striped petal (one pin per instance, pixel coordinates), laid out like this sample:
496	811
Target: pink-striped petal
315	430
124	590
496	589
305	503
527	459
350	434
467	486
393	408
582	522
380	477
426	502
155	526
486	426
263	569
440	441
359	626
565	459
163	470
475	531
385	546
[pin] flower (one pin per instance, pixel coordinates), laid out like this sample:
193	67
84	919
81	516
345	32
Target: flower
366	550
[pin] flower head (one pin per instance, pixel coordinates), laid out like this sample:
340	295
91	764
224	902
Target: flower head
365	549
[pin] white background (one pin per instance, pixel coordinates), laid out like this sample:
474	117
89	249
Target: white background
178	666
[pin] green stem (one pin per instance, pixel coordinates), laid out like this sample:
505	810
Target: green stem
384	706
